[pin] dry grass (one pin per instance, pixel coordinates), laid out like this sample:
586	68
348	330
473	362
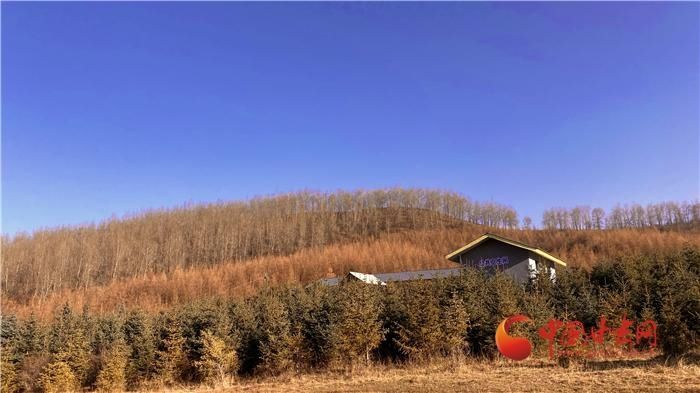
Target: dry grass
501	376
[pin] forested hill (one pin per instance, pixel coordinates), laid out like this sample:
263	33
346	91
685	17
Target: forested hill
205	235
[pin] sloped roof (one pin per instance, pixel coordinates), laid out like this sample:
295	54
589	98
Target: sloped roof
419	274
452	256
366	278
383	278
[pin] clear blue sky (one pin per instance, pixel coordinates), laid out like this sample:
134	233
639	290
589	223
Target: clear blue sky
111	108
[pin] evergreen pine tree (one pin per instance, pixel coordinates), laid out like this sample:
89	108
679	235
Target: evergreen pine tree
170	356
32	336
112	375
218	362
69	344
9	328
194	319
58	377
318	335
10	337
10	352
357	324
299	307
473	286
394	315
273	334
243	327
679	304
138	336
106	330
455	322
9	381
420	335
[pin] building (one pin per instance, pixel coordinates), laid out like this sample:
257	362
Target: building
384	278
489	252
493	252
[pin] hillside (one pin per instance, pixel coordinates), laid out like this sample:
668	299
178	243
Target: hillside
301	336
159	258
160	300
164	241
399	251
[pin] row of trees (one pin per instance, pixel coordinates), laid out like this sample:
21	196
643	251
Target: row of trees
297	328
660	215
203	235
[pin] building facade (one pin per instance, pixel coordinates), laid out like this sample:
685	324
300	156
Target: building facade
495	253
488	252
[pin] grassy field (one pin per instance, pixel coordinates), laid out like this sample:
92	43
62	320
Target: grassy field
500	376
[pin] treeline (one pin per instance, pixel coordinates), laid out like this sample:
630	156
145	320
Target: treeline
203	235
660	215
400	251
294	328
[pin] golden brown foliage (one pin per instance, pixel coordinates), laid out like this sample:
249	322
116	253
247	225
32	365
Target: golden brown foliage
164	241
406	250
58	378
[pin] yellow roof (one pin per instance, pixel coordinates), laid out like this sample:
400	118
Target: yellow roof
487	236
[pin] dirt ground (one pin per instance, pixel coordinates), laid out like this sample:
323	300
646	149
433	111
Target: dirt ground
501	376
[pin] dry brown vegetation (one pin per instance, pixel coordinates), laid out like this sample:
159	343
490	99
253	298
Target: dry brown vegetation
161	258
318	330
501	376
164	241
405	250
683	215
296	337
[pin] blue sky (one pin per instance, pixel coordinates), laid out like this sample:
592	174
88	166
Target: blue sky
112	108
